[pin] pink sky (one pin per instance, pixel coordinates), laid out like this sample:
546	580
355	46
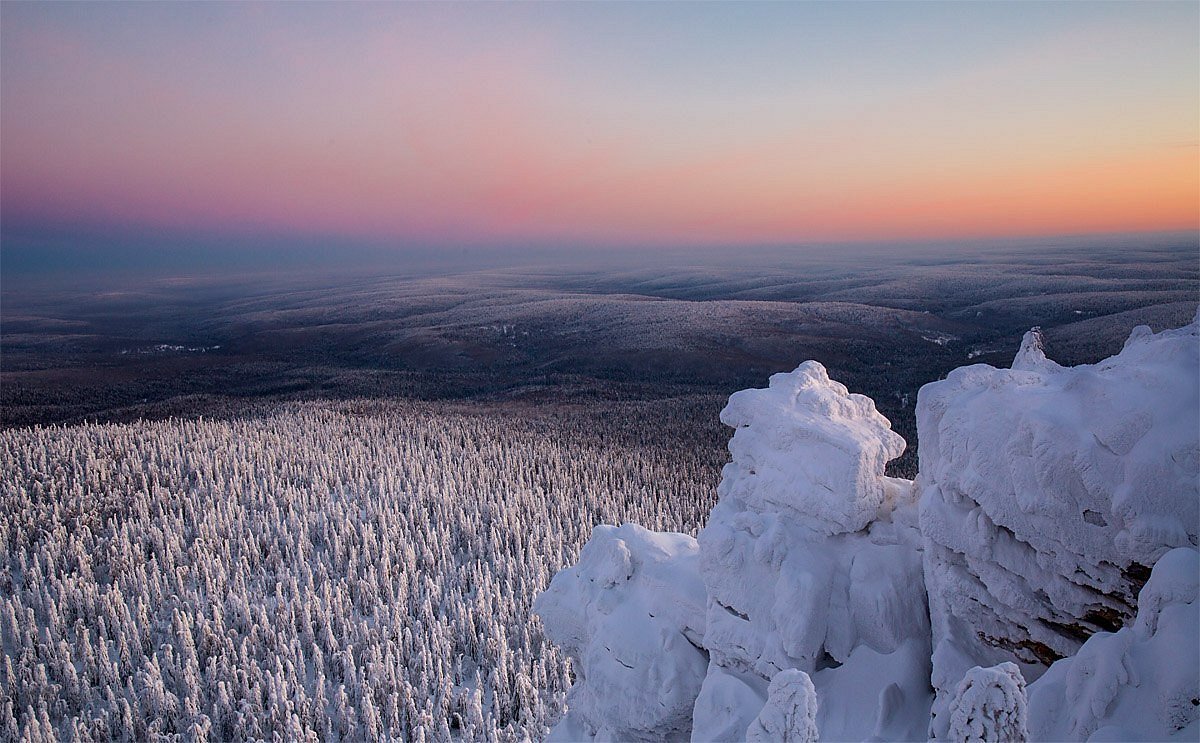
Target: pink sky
680	124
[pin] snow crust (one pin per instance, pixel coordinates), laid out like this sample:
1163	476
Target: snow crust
824	599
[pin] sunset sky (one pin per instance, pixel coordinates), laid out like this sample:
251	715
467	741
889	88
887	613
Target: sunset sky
626	125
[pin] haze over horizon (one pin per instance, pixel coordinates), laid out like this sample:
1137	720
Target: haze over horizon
205	133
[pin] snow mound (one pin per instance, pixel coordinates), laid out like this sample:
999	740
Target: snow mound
1046	492
790	714
1140	683
728	703
808	448
630	615
877	696
990	705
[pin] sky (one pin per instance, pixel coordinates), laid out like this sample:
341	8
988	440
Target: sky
222	129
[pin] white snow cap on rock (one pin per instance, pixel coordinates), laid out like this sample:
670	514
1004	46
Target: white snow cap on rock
790	714
990	705
807	447
631	616
1047	492
1031	356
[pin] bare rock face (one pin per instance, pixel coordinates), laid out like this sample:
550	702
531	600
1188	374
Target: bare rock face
1045	494
1140	683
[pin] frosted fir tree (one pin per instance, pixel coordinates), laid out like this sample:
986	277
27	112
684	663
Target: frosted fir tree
790	714
990	705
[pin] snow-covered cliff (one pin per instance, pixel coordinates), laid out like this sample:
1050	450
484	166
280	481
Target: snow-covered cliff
1047	494
824	598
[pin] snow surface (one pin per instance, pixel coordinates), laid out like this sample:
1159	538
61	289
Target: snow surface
1044	495
790	714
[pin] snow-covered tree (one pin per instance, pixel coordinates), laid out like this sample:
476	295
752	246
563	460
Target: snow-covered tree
990	705
790	714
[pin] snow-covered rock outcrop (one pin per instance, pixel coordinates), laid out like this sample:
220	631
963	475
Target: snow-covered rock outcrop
805	515
1140	683
631	616
811	554
1046	495
807	449
824	598
810	563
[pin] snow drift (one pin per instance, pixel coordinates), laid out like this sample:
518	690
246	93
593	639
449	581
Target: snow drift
826	598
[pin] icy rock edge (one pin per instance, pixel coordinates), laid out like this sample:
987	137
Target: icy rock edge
1044	496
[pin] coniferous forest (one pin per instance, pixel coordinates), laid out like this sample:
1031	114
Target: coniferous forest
355	570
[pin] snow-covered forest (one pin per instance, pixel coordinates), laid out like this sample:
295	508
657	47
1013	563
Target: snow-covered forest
333	571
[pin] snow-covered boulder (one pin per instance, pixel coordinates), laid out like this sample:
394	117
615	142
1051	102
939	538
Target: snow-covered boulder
1140	683
630	615
811	559
1046	494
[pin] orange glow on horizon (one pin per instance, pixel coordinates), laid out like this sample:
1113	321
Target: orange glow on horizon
424	126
